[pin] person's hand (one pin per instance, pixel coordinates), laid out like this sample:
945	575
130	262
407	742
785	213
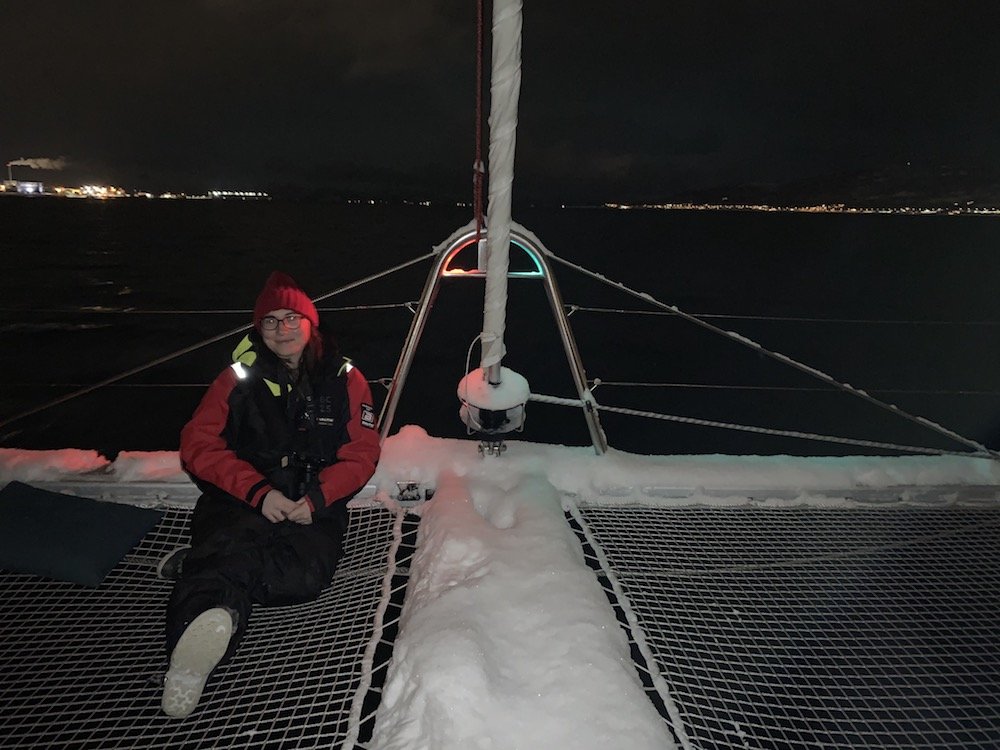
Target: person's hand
276	507
302	514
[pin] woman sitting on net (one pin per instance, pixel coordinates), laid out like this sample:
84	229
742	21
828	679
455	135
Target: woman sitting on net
281	441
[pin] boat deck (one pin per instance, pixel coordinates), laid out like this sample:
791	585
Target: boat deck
809	627
84	666
752	626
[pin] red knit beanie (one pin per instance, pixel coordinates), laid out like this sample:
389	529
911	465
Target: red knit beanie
280	292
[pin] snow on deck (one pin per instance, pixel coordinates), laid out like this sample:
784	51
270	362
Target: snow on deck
507	638
411	455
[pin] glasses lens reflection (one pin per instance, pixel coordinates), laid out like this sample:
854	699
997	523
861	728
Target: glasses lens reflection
270	323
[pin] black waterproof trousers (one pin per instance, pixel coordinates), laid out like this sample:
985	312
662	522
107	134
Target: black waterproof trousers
238	558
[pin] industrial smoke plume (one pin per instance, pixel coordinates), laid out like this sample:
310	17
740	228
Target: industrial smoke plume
57	163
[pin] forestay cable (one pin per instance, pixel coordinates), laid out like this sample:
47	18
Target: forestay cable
571	308
791	388
778	357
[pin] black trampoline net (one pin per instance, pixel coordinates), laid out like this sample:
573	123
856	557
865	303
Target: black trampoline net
83	668
803	627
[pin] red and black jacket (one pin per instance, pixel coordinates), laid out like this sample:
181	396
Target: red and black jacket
256	430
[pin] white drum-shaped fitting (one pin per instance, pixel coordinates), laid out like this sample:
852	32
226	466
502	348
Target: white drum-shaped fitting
512	391
493	409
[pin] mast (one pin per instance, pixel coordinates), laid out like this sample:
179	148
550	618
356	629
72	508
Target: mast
505	90
493	397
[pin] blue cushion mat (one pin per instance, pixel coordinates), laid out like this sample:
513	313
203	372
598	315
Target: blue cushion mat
65	537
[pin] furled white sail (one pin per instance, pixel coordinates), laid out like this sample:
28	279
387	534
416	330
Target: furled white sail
505	89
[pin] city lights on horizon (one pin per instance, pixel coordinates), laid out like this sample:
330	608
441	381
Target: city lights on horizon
34	189
968	207
107	192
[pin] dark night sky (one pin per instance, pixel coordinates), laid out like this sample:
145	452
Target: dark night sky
618	100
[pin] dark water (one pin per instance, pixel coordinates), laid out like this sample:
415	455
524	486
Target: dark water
87	288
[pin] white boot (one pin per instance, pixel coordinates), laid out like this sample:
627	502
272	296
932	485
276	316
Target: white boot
200	648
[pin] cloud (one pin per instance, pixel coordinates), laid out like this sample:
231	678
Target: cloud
58	163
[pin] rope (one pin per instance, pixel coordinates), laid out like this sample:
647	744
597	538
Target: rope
386	382
634	628
810	389
759	430
570	309
371	381
778	357
200	345
214	311
383	306
378	628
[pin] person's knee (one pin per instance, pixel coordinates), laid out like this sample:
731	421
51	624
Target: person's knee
317	575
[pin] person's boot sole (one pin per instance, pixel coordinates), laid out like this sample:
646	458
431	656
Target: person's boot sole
199	650
169	566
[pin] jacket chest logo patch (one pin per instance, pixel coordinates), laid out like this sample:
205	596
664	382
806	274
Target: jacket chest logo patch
367	416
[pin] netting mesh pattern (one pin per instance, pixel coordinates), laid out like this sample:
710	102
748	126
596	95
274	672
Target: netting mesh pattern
83	668
814	628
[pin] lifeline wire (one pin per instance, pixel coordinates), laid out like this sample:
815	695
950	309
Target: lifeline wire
787	318
801	388
213	311
731	335
570	309
750	428
199	345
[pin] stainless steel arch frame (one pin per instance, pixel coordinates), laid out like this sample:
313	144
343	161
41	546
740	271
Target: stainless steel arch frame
535	250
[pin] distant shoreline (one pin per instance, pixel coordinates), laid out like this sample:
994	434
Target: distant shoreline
821	208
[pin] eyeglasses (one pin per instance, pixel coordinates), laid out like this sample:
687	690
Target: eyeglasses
270	323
